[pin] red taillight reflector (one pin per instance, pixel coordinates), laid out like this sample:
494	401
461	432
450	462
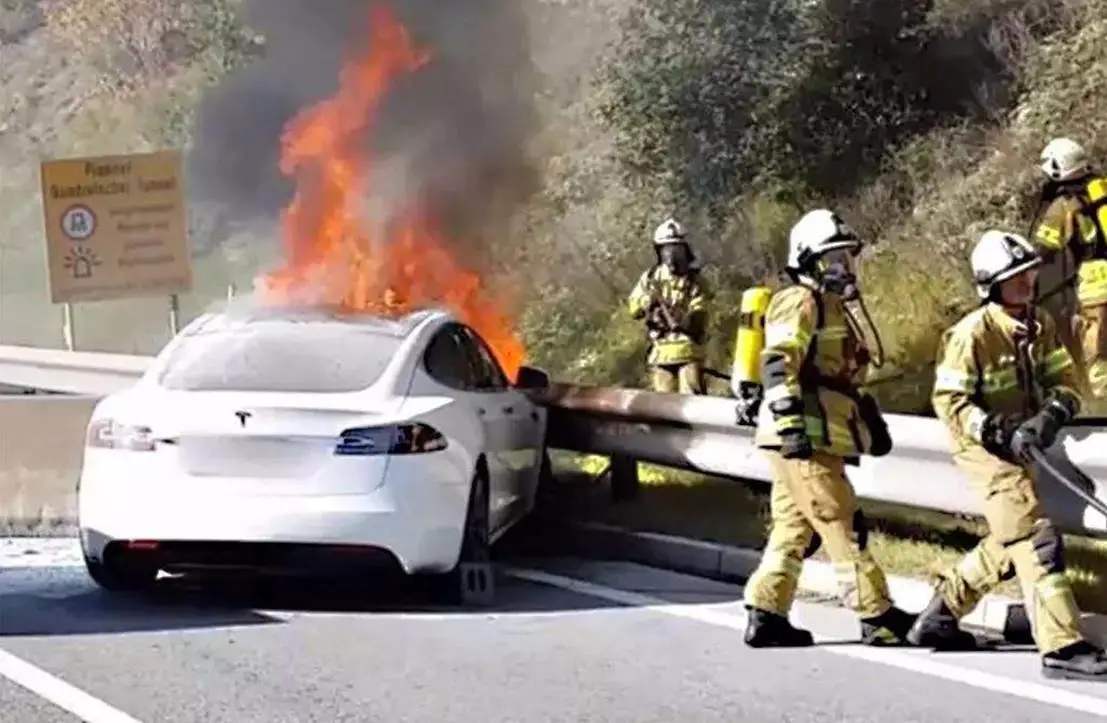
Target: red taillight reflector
142	545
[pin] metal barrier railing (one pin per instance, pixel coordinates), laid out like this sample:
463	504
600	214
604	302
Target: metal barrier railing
695	433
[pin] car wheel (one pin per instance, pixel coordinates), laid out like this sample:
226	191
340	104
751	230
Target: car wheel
119	575
471	582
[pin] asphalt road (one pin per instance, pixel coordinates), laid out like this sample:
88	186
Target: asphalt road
568	640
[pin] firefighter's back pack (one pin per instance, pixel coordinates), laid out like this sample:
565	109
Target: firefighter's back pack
750	341
1092	286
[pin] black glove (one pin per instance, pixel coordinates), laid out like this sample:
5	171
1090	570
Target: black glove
748	406
1026	439
878	428
1040	431
796	445
997	433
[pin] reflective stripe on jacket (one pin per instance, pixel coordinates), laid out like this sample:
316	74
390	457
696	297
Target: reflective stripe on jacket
1069	237
988	362
683	296
822	363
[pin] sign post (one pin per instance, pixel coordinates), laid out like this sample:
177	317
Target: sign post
115	228
174	315
68	333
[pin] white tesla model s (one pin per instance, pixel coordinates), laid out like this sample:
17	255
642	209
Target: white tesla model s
286	440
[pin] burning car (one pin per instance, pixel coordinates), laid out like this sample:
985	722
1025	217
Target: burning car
275	439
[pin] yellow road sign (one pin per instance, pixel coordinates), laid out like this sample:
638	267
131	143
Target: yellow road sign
116	227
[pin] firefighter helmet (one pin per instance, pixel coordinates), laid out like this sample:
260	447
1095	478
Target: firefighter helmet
1065	160
999	256
817	233
670	232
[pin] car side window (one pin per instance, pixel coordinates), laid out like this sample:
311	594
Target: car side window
447	360
492	374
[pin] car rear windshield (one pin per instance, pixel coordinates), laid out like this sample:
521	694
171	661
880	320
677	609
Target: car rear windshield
279	356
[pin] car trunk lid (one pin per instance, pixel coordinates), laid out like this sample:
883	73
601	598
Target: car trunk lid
270	443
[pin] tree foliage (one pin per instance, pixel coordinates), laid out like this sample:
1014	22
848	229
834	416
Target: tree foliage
134	42
694	89
711	97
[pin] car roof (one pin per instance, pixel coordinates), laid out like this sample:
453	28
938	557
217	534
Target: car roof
399	326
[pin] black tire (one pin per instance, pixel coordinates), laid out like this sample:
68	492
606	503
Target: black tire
117	577
476	547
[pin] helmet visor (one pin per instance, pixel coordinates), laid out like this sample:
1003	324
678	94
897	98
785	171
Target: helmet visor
676	256
841	258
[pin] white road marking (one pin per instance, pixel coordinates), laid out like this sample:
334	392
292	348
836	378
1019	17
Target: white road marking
912	661
29	552
460	616
60	693
66	553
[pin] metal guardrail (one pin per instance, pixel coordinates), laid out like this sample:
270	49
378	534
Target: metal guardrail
695	433
71	372
700	434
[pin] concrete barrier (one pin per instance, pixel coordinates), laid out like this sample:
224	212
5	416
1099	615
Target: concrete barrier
41	448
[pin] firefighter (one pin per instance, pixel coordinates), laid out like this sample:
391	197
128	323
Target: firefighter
1005	386
814	420
1070	237
671	298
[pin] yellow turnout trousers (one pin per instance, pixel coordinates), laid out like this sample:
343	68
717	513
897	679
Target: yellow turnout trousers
813	496
1021	542
684	378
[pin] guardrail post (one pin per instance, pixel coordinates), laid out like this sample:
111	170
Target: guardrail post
174	315
624	478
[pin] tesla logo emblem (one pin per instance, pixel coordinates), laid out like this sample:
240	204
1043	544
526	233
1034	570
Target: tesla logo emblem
242	417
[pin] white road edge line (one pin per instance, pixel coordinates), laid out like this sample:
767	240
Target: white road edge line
913	662
58	692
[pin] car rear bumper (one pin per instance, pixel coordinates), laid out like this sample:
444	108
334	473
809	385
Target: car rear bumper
417	520
269	558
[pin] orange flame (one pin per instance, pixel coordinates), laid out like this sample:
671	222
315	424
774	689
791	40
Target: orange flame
335	253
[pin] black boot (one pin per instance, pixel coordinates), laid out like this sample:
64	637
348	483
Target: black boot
1079	661
888	628
936	627
769	630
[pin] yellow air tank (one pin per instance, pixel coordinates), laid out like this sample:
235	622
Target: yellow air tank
746	373
751	335
1092	289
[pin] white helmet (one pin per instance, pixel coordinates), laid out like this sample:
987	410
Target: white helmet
817	233
1065	160
999	256
670	232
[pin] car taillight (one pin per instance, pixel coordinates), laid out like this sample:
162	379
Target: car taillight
393	439
108	434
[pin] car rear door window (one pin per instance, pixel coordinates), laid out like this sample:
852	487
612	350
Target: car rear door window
447	360
490	375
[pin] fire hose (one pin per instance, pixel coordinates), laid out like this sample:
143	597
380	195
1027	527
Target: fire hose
1043	461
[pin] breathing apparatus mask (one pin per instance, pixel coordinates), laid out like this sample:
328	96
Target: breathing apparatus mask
836	273
677	257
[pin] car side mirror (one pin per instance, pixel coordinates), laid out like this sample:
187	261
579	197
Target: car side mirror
531	378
